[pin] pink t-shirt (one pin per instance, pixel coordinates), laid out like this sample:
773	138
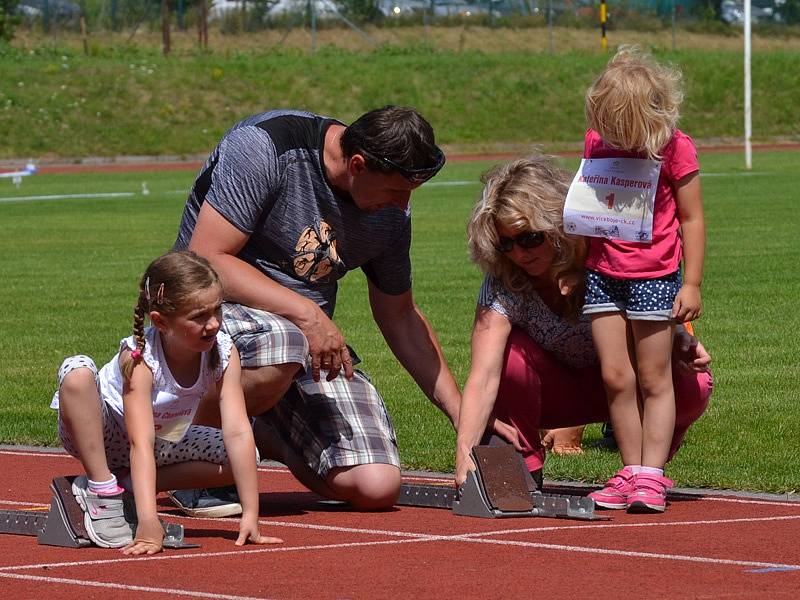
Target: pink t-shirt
642	260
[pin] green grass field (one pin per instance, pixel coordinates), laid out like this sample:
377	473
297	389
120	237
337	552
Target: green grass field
70	269
129	101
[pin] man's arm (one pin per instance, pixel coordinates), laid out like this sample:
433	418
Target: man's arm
219	241
414	343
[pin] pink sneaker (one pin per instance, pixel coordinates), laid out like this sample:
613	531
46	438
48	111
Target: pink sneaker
649	494
616	492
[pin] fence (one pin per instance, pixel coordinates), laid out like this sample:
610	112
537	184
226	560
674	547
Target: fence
364	16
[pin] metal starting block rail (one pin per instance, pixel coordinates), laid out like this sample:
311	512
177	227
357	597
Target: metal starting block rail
500	487
63	525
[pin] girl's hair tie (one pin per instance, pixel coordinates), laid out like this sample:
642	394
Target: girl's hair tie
136	354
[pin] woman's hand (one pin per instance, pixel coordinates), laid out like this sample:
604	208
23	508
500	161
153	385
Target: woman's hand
508	432
463	465
566	440
248	532
690	355
149	539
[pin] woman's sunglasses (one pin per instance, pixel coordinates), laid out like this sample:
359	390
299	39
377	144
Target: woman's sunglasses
527	240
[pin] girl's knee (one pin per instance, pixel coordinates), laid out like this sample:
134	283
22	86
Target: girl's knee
77	382
619	379
654	381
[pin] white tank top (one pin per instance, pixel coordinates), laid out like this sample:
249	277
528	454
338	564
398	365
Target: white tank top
174	406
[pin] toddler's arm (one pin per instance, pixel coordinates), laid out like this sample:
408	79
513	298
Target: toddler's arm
688	303
141	432
238	437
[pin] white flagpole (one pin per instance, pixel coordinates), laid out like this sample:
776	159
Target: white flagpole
748	109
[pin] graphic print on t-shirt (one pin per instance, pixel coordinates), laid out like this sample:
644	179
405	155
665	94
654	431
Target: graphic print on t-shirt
315	253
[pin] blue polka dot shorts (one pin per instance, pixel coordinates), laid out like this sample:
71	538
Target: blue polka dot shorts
639	299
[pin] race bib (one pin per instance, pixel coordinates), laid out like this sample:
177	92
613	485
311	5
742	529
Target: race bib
613	198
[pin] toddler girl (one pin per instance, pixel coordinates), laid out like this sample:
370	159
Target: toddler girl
635	294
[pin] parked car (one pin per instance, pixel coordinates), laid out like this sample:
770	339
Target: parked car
56	9
457	8
732	11
220	8
451	8
399	8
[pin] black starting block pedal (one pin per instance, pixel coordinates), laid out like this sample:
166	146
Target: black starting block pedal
500	487
63	524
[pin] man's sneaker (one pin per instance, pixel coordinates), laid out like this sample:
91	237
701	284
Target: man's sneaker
212	502
104	516
616	491
649	493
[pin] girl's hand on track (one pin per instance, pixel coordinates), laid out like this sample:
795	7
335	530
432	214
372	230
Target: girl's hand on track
149	539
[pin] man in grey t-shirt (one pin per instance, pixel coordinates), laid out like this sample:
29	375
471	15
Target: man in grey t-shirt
287	204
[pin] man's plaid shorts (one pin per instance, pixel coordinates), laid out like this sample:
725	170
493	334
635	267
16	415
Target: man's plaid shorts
339	423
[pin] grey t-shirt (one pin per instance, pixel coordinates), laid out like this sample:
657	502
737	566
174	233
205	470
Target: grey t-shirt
267	179
570	343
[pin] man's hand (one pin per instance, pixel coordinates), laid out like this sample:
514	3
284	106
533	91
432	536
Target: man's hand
326	346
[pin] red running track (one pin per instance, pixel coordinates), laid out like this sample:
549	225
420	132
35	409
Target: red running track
702	547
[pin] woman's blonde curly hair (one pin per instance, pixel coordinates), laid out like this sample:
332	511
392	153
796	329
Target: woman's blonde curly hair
634	104
526	194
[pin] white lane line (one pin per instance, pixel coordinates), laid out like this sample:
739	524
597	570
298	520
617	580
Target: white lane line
268	523
634	554
630	525
68	196
123	586
239	553
793	503
18	503
35	454
737	174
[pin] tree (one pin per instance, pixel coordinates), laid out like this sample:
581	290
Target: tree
8	19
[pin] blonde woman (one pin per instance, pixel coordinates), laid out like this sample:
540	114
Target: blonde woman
534	364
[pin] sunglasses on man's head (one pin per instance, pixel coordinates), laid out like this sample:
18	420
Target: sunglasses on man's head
527	240
415	175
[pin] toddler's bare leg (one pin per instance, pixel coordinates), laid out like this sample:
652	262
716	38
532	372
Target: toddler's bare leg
614	348
654	363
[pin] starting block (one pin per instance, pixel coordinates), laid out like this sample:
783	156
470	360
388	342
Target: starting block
63	524
501	486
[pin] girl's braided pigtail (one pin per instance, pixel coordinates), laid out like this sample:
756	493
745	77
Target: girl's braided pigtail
139	313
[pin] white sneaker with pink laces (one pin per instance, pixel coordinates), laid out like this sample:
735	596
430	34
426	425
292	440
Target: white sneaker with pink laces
104	516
